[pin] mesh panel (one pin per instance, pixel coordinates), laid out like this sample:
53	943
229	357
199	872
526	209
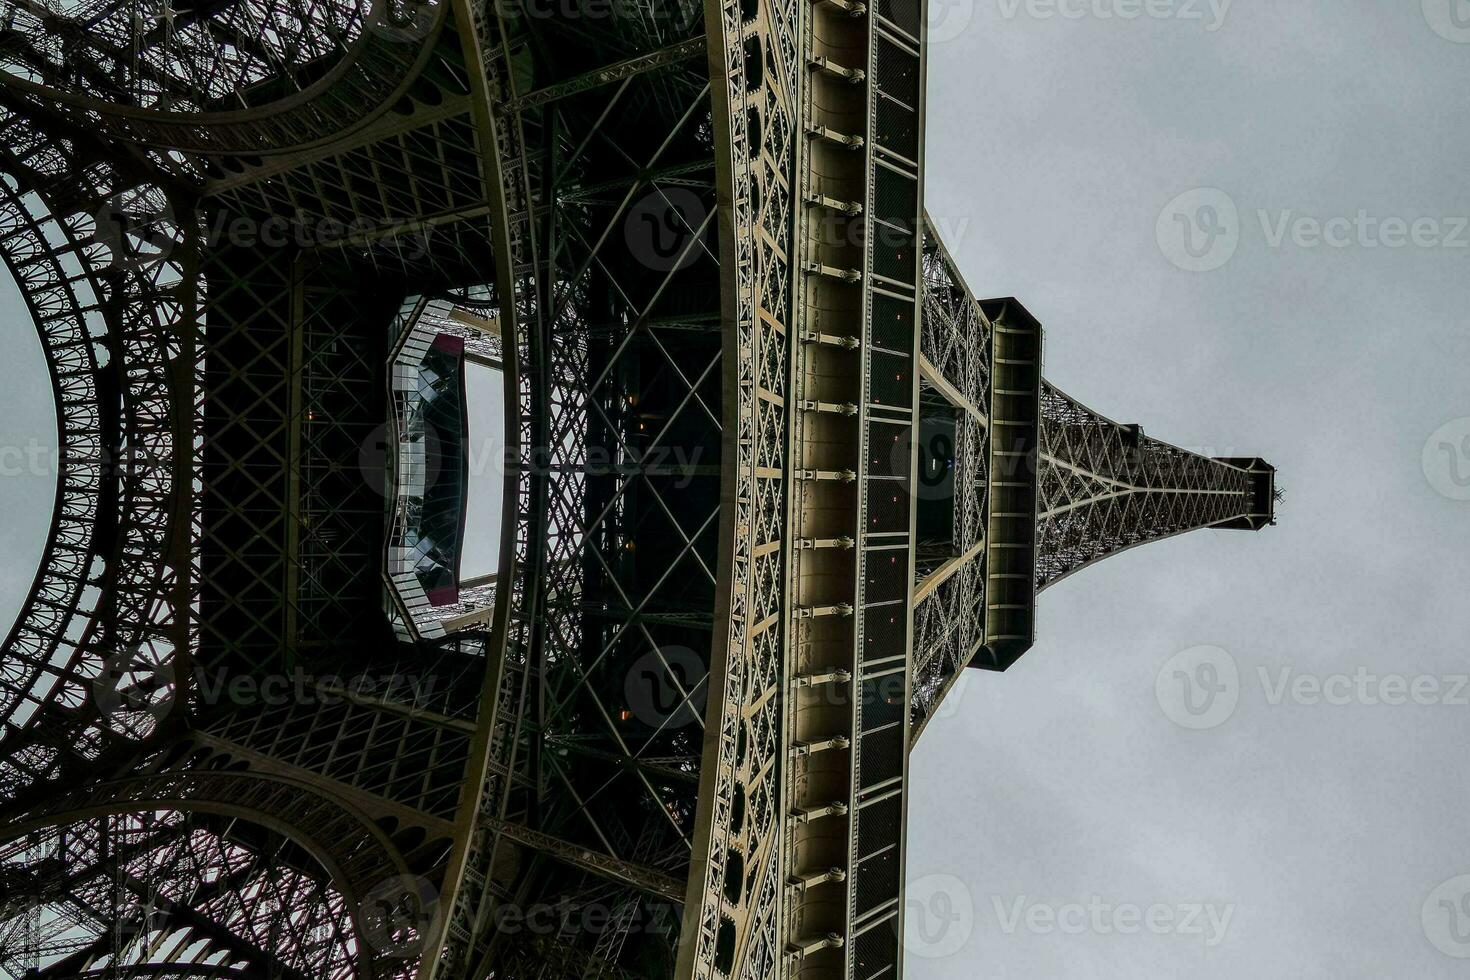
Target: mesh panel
895	252
890	451
895	196
888	507
897	71
882	756
875	952
893	323
903	13
885	575
891	380
883	633
883	701
878	824
896	127
877	880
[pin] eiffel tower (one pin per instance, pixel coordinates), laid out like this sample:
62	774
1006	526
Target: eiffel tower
773	479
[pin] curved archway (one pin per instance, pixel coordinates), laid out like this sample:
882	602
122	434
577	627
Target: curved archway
221	78
106	597
158	862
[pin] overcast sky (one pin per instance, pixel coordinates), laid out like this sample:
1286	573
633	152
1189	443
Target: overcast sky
1055	145
1053	805
486	397
27	451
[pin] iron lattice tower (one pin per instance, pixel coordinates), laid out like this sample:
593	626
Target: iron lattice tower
261	241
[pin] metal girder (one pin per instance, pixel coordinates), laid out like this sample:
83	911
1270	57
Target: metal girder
726	605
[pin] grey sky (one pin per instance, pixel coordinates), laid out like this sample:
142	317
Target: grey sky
486	397
27	451
1054	144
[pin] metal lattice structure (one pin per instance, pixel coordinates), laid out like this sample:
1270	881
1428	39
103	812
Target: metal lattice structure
774	478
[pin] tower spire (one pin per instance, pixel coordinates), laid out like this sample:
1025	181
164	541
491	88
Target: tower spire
773	479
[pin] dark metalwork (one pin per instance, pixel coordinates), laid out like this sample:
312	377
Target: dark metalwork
669	735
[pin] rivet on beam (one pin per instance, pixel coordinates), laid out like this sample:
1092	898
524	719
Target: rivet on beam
817	612
851	7
802	882
832	408
853	142
812	544
838	476
831	339
823	63
839	675
832	271
822	200
837	808
803	749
